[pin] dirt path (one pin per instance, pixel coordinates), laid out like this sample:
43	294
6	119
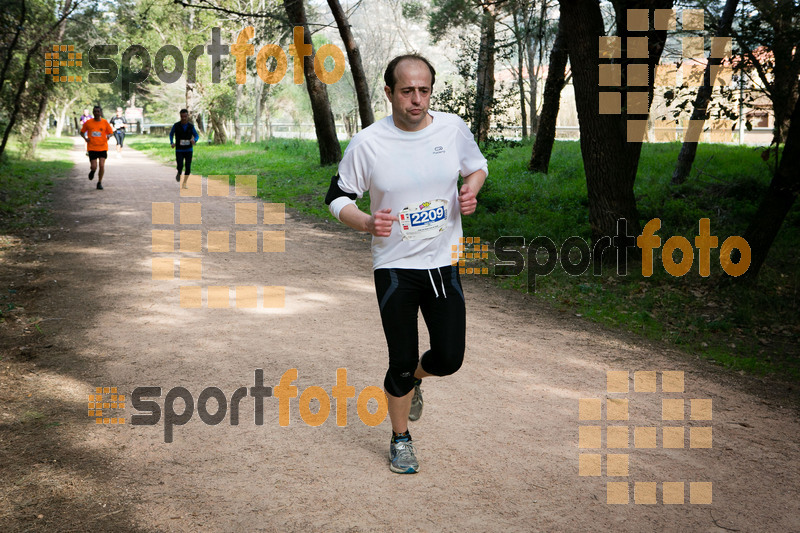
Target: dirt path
499	441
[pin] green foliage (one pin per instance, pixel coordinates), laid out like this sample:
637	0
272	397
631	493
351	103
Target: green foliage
750	329
445	15
288	169
25	184
460	99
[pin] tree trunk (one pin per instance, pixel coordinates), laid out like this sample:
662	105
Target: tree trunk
484	93
62	116
780	196
217	127
609	160
782	17
330	151
357	70
255	134
533	78
12	119
13	45
520	79
545	135
535	66
41	115
703	98
267	115
237	126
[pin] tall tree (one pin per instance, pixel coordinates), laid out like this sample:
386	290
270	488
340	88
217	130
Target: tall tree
34	36
448	14
545	136
780	196
330	151
484	89
8	51
610	151
703	98
775	28
41	115
356	68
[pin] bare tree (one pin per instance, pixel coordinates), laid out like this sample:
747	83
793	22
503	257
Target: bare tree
703	98
610	142
545	136
330	151
354	56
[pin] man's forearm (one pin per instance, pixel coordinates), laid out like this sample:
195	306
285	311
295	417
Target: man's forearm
354	217
475	181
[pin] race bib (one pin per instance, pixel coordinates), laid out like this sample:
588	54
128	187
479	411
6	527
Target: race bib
423	221
97	134
185	142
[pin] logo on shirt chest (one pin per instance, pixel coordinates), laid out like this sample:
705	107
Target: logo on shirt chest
438	150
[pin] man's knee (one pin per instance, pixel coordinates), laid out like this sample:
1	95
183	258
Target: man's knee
443	362
400	379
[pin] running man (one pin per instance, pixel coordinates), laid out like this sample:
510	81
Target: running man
96	132
183	137
410	163
119	124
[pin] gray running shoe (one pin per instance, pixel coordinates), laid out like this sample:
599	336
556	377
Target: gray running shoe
402	457
416	402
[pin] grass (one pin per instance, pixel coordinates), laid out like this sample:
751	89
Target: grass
288	170
25	184
753	329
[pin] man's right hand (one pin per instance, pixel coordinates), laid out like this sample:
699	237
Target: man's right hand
380	224
172	145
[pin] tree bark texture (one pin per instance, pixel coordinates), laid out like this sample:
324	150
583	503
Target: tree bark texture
356	68
545	136
780	196
330	152
484	93
703	98
610	160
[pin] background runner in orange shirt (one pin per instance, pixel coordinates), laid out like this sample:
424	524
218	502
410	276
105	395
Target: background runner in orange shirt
96	133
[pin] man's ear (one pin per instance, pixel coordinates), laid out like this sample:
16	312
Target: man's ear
388	91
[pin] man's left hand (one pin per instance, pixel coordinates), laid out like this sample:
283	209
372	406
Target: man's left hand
467	199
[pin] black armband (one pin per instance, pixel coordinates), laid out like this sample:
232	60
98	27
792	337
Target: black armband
334	191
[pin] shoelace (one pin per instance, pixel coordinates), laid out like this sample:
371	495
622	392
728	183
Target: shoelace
404	449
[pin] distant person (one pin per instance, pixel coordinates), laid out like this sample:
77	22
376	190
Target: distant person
86	116
118	123
96	132
183	137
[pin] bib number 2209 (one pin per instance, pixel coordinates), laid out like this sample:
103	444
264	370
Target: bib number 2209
421	218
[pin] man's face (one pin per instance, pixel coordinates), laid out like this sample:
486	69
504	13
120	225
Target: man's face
411	96
184	118
119	111
97	112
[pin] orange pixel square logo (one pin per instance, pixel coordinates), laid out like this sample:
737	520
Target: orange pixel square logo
631	97
63	55
104	399
607	434
468	250
260	236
